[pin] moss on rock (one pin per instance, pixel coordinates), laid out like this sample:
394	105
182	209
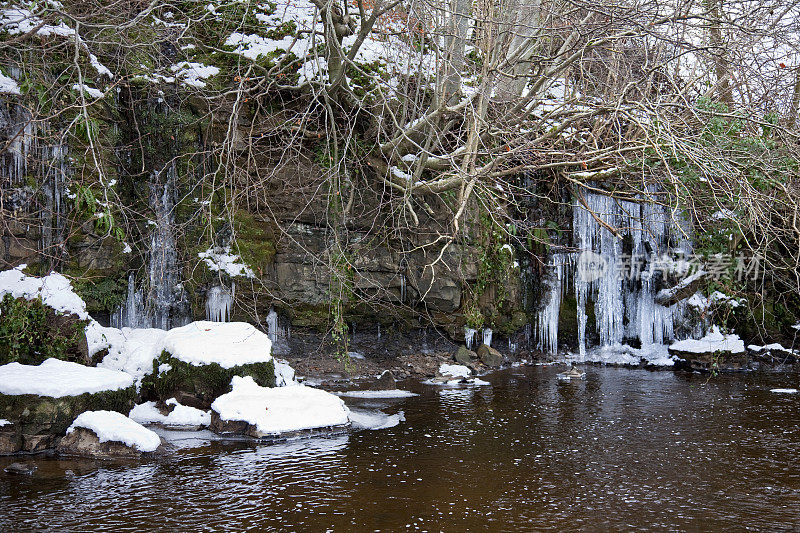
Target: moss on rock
38	422
199	385
31	332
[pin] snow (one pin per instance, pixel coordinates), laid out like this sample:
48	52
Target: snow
181	415
714	341
784	391
227	344
375	420
55	290
377	394
456	371
623	354
281	409
17	20
4	422
110	426
8	85
284	374
131	350
91	91
221	259
770	347
193	74
55	378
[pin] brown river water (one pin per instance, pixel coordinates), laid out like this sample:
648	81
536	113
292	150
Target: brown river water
623	450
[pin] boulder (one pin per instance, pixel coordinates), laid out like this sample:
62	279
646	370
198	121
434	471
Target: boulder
715	352
280	412
107	435
40	402
386	381
200	359
85	443
465	356
489	356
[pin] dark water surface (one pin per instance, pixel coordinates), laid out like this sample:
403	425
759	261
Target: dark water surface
622	450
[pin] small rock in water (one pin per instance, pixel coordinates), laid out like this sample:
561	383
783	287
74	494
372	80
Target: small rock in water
465	357
23	469
386	381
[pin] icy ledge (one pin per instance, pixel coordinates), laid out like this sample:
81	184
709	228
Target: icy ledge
272	411
110	426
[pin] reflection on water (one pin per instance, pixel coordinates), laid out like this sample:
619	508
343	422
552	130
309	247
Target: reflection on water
623	449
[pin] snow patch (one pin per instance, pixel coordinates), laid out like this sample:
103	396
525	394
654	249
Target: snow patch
55	378
8	85
228	344
784	391
456	371
221	259
714	341
55	290
281	409
181	415
110	426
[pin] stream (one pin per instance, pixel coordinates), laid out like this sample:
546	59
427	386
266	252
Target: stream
623	449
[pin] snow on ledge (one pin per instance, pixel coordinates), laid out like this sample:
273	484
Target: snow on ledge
714	341
181	415
110	426
227	344
784	391
8	85
56	379
281	409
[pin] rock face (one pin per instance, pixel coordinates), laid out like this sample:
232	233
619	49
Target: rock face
465	357
38	422
489	356
385	382
84	443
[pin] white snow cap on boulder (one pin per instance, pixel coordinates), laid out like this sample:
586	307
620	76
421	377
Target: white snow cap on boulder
714	341
281	409
55	378
228	344
110	426
55	290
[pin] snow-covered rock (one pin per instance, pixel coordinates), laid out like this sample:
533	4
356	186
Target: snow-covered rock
55	290
180	415
227	344
56	379
107	434
42	401
714	341
262	412
456	371
715	351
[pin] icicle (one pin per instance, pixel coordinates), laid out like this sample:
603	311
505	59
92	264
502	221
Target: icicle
402	288
219	302
547	317
272	325
487	336
469	336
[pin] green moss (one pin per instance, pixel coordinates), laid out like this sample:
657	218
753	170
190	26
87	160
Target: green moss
31	332
101	293
202	384
32	414
254	241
